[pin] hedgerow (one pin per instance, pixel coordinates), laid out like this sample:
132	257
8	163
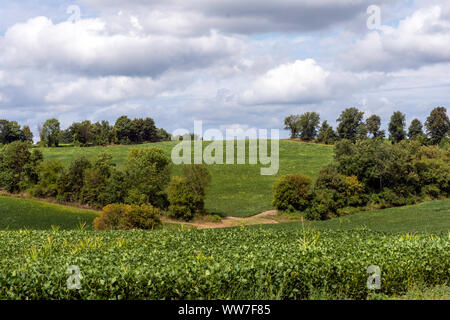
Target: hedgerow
249	263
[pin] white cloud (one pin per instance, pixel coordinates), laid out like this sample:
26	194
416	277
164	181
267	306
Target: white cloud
305	82
87	47
420	39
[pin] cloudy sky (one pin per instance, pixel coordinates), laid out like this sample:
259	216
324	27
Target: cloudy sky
246	63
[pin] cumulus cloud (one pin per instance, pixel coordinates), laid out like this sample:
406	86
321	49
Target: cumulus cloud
305	82
87	47
421	39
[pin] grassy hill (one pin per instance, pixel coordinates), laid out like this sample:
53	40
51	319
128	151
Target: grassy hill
428	217
236	190
16	213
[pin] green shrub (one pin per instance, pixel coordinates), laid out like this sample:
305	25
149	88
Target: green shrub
71	182
181	199
143	216
49	174
213	218
18	166
116	189
334	191
198	178
148	172
290	192
124	216
95	181
94	185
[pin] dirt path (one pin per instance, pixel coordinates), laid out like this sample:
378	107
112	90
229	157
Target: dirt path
266	217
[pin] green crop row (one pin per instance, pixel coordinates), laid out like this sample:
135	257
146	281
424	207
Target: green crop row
239	263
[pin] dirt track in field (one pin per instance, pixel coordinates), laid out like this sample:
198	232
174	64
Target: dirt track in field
266	217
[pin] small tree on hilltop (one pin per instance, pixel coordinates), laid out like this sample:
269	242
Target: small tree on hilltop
415	129
373	124
350	122
291	123
326	134
308	124
438	125
397	127
50	132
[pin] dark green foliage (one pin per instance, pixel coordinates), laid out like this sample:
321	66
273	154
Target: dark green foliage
307	125
147	173
350	122
123	216
186	195
400	174
26	135
96	181
116	189
326	134
438	125
334	191
71	182
198	179
181	199
18	166
163	135
291	192
369	160
137	131
373	124
291	124
10	132
415	129
49	174
124	130
396	127
50	131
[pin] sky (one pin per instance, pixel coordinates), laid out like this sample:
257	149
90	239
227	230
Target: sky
232	64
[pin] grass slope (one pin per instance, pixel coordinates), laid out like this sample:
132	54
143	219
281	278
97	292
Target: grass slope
430	217
18	214
236	190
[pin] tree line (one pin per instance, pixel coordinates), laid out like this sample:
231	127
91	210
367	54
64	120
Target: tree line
132	197
351	126
86	133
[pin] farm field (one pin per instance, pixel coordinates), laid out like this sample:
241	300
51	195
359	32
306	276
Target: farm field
288	260
236	263
429	217
236	190
17	213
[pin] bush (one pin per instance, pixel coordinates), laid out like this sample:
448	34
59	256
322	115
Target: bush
94	185
290	192
95	181
181	199
148	171
334	191
116	189
215	218
18	166
123	216
49	174
197	178
71	182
